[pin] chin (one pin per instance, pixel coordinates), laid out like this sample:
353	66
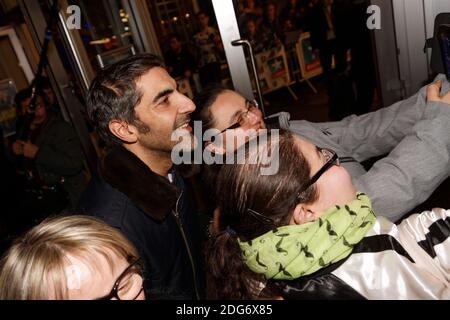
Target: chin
258	126
188	142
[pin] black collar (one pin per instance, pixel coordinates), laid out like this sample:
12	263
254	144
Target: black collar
151	192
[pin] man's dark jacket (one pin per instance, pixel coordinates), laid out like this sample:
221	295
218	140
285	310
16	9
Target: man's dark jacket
127	195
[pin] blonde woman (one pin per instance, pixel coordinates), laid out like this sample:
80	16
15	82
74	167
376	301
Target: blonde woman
73	257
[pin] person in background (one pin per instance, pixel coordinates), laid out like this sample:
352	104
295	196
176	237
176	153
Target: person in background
258	40
71	258
249	9
362	64
52	154
295	11
49	95
180	62
22	100
329	31
272	27
211	51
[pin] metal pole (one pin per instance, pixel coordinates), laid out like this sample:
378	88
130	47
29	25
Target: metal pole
229	31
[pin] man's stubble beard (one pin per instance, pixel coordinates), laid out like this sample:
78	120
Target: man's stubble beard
155	141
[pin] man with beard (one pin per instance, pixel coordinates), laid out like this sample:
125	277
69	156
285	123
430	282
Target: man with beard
137	109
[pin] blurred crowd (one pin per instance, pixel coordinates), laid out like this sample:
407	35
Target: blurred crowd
338	36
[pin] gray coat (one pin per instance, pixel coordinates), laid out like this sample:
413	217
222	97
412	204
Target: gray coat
415	134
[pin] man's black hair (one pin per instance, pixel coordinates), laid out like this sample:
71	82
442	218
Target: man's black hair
21	96
114	95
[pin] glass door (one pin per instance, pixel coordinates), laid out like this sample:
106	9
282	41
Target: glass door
229	31
262	42
109	31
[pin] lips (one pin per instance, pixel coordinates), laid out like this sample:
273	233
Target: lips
186	127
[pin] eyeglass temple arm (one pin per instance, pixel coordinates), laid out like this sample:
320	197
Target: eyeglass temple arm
318	174
260	217
243	42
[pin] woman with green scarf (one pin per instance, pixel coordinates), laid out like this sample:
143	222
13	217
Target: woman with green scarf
306	233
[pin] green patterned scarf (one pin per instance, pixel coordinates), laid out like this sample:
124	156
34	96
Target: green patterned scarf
292	251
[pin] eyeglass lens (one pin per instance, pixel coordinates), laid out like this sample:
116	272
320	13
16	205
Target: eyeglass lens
130	286
251	105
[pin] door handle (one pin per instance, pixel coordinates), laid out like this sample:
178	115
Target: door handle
246	43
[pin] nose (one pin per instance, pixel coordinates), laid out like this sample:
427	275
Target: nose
253	117
186	105
39	106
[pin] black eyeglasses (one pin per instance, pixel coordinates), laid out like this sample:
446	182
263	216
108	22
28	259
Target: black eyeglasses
129	284
242	119
332	158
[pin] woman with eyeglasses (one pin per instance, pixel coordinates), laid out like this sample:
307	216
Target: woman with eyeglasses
397	182
71	258
306	233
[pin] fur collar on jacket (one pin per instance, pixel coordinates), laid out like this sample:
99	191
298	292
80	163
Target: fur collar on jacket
151	192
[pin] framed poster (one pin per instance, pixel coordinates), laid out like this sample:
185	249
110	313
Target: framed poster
113	56
272	69
309	62
7	109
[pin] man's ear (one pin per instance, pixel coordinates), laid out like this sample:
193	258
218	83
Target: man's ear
124	131
302	214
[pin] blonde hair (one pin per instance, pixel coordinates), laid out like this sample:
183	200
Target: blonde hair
34	267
